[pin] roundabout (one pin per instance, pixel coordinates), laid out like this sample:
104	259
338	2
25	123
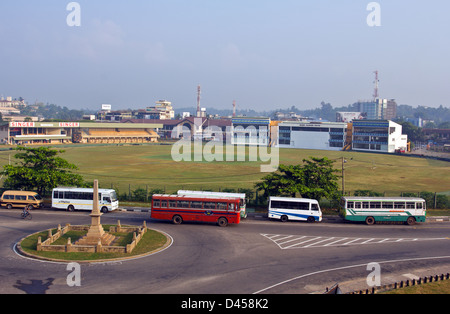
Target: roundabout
86	244
153	242
256	256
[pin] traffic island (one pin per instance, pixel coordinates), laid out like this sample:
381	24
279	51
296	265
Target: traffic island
92	243
62	244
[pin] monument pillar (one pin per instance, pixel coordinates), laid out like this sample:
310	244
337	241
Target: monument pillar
96	233
96	230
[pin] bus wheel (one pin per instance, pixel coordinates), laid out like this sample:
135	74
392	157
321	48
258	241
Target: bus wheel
105	210
222	222
311	219
70	208
410	221
177	220
284	218
9	206
370	220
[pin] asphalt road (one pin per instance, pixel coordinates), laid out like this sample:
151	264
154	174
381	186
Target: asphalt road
256	256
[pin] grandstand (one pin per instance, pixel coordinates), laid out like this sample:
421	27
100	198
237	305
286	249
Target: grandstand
21	133
118	135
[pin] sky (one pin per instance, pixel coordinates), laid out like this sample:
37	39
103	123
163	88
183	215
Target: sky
264	54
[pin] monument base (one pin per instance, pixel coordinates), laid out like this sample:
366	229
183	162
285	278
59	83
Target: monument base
95	235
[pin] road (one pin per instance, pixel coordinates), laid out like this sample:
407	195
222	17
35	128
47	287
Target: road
256	256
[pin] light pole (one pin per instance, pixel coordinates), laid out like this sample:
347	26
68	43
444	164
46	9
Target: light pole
343	175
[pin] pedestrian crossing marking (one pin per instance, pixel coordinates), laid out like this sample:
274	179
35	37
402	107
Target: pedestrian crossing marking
286	242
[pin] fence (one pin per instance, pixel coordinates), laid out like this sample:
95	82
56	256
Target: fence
143	193
434	200
403	284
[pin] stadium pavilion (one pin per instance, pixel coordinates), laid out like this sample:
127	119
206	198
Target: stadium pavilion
19	133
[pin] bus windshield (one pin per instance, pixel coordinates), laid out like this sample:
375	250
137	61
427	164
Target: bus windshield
113	196
38	197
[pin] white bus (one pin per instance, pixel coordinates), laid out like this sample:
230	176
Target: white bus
381	209
303	209
82	199
241	196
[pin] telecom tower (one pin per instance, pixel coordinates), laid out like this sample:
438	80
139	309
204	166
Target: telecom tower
199	92
375	93
234	108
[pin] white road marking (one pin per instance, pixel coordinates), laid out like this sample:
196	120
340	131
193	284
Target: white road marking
285	242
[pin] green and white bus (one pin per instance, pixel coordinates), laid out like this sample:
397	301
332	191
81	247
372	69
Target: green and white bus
381	209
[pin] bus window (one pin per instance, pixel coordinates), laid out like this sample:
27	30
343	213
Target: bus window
222	206
357	205
209	205
172	204
164	204
375	204
231	207
399	205
196	204
350	204
388	205
365	204
410	205
419	205
302	206
156	203
315	207
183	204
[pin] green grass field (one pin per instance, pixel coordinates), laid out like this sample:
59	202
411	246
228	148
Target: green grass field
153	166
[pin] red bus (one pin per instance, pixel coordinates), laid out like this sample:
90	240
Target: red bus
179	208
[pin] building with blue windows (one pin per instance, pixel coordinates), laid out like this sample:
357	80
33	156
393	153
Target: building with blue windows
251	131
378	136
312	135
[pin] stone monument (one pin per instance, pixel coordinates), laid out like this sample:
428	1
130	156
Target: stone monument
96	234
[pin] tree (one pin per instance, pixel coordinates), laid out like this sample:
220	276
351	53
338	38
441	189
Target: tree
315	178
40	169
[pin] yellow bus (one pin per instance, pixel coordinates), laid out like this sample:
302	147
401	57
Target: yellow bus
21	199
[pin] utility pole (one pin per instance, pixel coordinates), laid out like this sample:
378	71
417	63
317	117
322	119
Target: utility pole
343	176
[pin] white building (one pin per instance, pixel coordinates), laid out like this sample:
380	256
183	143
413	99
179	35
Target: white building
9	102
251	131
378	136
312	135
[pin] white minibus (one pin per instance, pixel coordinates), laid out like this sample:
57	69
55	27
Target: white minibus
83	199
302	209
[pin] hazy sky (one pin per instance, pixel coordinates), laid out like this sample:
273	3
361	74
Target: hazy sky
265	54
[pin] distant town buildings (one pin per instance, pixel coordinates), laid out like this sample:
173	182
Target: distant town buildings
10	108
9	102
379	109
163	110
350	116
368	128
